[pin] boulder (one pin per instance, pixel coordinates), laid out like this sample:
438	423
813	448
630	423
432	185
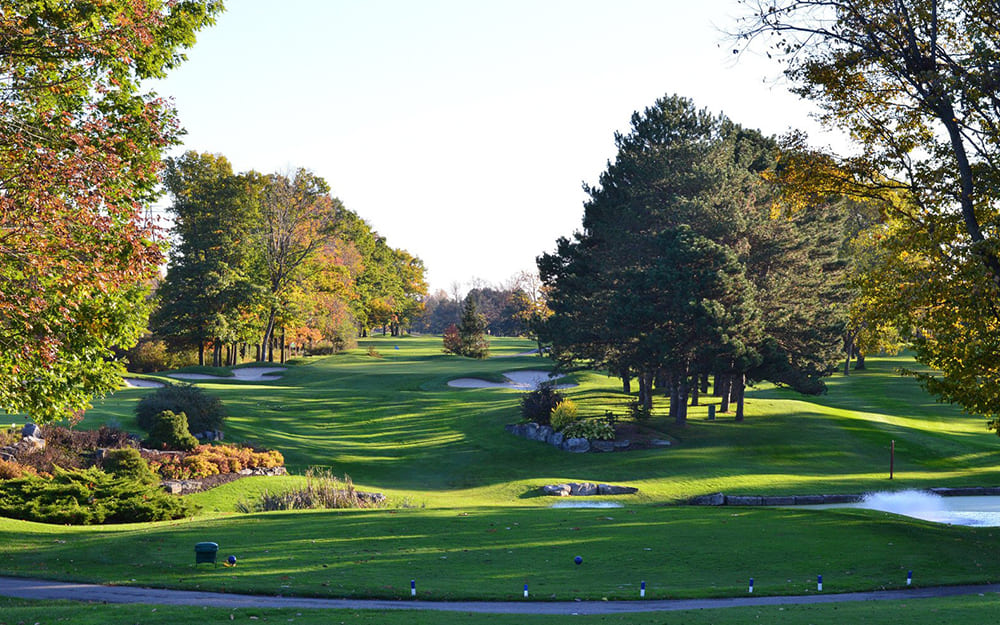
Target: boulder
602	445
31	443
715	499
31	430
543	433
517	429
531	431
623	443
610	489
375	499
555	439
583	490
556	490
659	442
576	445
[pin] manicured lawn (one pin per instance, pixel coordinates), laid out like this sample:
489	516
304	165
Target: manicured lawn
466	519
394	425
949	611
488	553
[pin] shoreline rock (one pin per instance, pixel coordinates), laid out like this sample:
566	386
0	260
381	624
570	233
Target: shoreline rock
720	499
586	489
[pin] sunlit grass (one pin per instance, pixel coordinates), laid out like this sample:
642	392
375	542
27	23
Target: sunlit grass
456	482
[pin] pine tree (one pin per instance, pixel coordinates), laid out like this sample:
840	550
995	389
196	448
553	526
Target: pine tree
472	331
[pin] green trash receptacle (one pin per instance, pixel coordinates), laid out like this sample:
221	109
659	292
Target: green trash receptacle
205	553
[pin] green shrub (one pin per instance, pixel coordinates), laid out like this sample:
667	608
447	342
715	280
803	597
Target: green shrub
127	463
538	404
591	429
204	412
638	411
563	414
87	497
170	431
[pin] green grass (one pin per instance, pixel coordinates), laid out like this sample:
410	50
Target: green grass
489	553
947	611
457	482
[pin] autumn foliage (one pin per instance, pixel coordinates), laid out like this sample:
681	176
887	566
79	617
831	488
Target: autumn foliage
80	150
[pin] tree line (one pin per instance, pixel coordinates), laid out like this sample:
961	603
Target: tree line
263	261
508	309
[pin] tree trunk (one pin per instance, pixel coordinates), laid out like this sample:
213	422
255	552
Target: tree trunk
267	340
258	358
859	361
646	389
201	353
681	392
726	388
704	384
282	345
739	392
847	362
676	403
694	391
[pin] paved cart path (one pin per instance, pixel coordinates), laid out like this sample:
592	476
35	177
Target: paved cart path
47	589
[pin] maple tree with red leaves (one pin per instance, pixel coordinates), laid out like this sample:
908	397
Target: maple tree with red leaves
80	152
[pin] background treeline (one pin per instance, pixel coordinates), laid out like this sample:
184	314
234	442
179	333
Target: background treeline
265	263
508	309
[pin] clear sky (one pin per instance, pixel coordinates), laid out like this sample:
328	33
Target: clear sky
461	130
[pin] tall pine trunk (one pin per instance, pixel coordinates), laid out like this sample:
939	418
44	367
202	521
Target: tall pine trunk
739	393
726	390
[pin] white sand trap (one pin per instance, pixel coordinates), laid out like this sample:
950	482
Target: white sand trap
517	380
140	383
246	374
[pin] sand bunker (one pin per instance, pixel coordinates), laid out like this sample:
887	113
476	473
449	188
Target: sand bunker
517	380
140	383
246	374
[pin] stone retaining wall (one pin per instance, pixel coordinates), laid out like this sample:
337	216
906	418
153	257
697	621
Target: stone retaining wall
720	499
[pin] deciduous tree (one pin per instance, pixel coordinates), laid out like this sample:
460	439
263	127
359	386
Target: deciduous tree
80	146
914	83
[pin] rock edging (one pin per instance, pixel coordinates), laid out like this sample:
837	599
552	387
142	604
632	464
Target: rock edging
720	499
185	487
545	434
586	489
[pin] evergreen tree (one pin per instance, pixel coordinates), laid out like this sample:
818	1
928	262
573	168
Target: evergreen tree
681	269
472	331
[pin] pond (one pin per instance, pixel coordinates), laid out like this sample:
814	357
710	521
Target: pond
587	504
978	510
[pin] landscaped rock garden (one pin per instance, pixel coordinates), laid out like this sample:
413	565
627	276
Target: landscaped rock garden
586	489
551	418
627	437
36	451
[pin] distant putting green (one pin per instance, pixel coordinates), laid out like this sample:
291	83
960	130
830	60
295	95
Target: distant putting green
467	520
